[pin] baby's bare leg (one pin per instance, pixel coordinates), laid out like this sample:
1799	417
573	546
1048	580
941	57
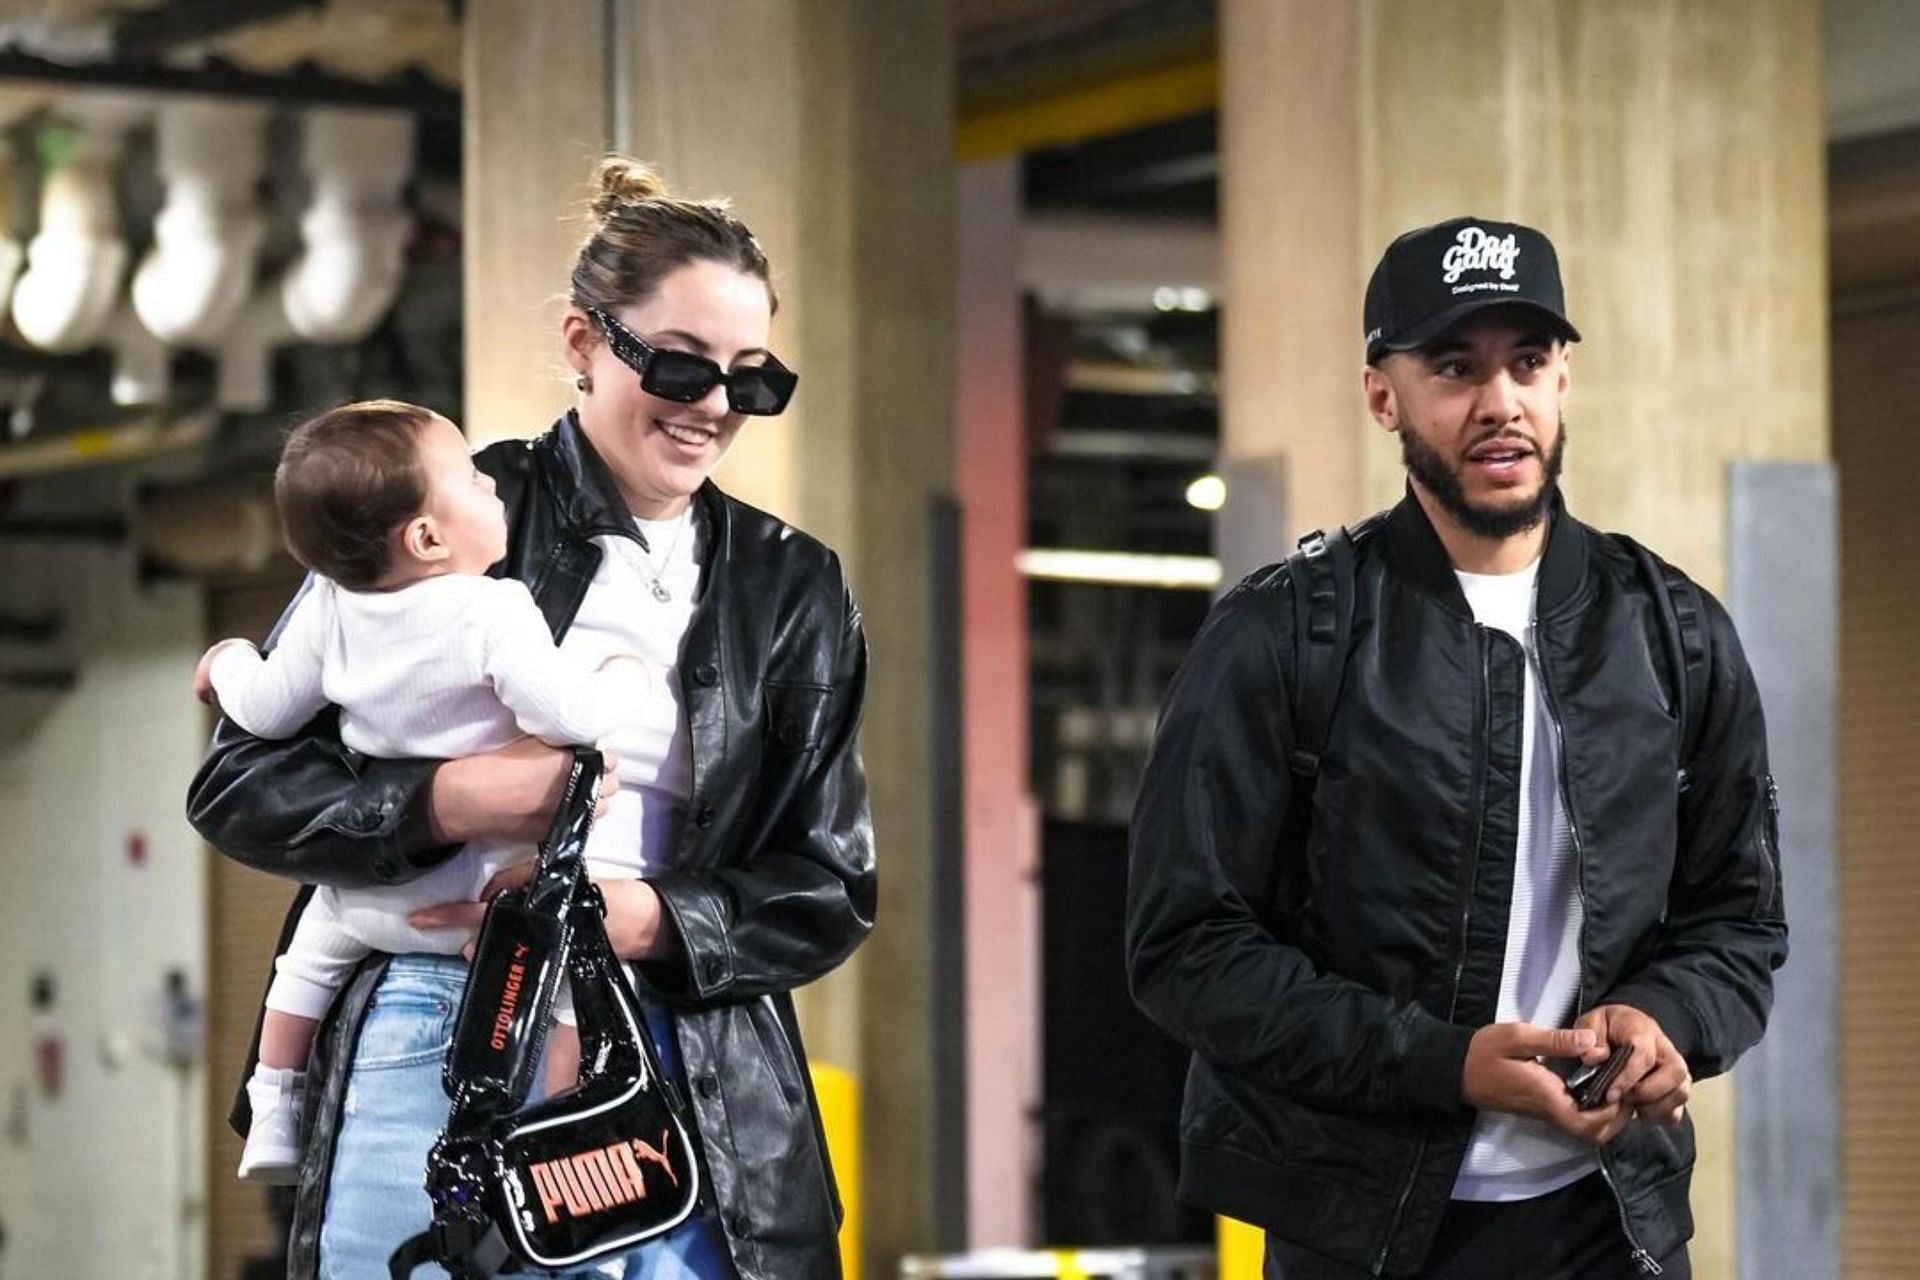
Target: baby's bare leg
287	1038
562	1070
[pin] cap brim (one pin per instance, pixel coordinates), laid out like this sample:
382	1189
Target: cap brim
1433	326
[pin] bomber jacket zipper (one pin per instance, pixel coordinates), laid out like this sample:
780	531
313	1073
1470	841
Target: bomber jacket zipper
1641	1258
1484	693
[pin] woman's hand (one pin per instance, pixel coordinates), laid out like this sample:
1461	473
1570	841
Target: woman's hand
508	794
638	926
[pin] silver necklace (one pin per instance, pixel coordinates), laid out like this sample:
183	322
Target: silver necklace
654	584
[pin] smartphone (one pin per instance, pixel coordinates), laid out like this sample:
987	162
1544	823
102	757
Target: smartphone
1589	1084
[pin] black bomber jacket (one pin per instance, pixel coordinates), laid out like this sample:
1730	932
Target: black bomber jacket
1328	992
774	882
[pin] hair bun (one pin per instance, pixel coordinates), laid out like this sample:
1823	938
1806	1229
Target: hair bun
618	181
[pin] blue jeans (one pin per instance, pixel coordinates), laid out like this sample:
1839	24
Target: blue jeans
395	1109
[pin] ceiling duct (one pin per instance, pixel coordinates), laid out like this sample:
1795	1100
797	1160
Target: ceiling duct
356	229
77	260
193	284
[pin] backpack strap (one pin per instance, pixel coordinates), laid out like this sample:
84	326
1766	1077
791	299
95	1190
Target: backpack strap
1683	629
1321	574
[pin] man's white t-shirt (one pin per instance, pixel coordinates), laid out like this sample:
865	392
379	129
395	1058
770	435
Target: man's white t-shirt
1513	1157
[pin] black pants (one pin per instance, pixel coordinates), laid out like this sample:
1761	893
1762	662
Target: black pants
1572	1234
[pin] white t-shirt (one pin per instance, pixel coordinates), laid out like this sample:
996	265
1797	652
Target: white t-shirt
1512	1157
653	750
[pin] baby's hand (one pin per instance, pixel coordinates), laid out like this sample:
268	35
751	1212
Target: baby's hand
203	673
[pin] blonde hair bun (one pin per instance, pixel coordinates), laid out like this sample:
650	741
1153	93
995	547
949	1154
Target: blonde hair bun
618	182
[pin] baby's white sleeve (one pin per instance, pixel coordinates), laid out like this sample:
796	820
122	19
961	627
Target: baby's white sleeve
272	697
552	696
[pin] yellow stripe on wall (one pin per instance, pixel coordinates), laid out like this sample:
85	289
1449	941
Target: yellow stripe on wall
1126	102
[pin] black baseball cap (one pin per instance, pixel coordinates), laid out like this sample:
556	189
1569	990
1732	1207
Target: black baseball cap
1433	277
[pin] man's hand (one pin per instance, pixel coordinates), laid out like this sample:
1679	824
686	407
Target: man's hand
1655	1083
508	794
1504	1073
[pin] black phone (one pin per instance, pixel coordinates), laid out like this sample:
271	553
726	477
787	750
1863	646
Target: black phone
1589	1084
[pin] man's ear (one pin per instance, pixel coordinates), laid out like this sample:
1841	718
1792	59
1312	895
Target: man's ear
420	539
1383	403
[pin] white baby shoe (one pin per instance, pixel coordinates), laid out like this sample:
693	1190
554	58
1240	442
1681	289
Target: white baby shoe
272	1153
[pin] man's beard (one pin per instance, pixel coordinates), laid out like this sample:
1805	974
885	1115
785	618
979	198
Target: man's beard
1437	477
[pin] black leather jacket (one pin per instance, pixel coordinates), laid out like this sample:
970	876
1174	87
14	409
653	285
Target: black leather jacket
774	882
1328	993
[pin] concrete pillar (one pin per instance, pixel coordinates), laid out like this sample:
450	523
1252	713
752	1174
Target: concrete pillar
1002	927
829	122
533	124
1671	148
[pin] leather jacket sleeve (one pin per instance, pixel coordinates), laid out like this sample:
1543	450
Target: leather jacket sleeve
789	911
310	809
1202	961
1709	981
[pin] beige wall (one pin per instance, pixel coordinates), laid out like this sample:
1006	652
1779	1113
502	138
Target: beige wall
1673	152
115	1166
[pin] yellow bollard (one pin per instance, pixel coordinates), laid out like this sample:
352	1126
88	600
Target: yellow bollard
839	1100
1242	1249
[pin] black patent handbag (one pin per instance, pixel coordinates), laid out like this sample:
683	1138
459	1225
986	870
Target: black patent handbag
585	1175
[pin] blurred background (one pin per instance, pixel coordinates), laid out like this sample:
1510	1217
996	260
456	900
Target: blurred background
1075	289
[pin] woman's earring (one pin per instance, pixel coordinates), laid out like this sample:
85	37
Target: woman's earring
581	382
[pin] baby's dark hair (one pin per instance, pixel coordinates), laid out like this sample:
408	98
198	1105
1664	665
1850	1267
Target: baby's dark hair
347	480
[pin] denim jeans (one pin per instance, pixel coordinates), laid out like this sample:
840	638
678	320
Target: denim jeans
393	1112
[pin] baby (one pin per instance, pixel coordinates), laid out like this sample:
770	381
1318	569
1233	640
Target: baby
426	657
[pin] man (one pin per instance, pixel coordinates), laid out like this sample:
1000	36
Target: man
1506	869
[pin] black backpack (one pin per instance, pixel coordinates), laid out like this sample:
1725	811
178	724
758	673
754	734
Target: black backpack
1322	574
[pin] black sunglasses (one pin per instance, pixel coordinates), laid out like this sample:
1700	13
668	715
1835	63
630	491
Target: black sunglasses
681	376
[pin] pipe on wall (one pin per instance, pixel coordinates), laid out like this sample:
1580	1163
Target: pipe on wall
356	229
193	284
77	260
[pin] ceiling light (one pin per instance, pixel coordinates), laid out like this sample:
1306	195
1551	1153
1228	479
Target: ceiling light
1119	568
1208	493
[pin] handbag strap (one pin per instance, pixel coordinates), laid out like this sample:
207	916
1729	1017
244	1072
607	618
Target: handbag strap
462	1236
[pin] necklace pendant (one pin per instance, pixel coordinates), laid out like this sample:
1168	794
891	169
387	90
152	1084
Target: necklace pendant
660	591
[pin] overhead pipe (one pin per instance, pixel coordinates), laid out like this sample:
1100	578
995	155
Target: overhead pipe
12	256
355	229
244	381
355	232
77	260
193	284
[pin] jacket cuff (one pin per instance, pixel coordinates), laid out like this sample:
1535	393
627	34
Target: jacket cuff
704	966
401	820
1436	1068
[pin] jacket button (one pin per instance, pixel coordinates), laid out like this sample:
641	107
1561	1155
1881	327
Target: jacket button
737	1224
706	673
704	818
706	1086
716	969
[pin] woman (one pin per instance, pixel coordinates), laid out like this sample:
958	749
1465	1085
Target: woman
754	834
